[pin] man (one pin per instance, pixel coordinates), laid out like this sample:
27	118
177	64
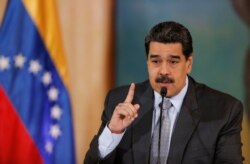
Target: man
204	125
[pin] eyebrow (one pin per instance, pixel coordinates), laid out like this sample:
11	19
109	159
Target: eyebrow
175	56
171	56
153	56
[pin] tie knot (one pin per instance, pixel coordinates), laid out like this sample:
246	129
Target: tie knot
166	104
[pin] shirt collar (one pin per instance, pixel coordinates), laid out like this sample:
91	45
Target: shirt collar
175	100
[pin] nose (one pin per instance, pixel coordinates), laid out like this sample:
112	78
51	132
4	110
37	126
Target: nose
164	70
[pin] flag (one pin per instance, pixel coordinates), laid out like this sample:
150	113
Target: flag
35	111
14	137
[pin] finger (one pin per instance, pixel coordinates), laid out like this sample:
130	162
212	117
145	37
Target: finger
121	109
130	95
136	108
129	108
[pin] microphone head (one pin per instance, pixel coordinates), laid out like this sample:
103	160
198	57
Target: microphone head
163	91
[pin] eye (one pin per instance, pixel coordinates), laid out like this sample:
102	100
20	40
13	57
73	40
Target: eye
156	61
173	61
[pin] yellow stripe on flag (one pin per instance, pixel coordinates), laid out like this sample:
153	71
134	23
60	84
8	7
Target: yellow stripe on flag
44	15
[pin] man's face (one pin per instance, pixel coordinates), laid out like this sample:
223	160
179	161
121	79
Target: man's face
167	66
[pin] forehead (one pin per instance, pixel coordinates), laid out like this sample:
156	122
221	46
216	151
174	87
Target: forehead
157	48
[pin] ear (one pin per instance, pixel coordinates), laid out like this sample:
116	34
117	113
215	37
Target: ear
189	63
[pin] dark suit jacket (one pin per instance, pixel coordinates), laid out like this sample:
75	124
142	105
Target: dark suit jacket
207	129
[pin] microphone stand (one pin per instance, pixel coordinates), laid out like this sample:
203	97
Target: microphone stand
163	94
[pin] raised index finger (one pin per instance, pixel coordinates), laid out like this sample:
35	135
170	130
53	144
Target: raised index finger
130	95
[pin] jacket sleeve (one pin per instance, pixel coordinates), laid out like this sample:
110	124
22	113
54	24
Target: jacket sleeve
228	149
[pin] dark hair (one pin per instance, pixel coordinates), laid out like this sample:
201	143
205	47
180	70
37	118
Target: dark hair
170	32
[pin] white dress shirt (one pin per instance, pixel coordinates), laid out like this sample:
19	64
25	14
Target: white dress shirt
108	141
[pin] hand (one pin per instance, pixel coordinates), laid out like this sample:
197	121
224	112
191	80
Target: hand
124	113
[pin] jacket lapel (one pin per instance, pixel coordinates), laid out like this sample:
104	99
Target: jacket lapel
141	129
186	124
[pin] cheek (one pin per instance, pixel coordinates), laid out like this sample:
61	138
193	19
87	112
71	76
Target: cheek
179	74
186	69
152	72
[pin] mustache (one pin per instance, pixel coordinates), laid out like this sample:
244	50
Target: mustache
164	79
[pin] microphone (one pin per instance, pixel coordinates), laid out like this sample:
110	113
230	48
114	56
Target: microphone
163	94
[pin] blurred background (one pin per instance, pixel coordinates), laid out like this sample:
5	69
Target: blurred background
104	48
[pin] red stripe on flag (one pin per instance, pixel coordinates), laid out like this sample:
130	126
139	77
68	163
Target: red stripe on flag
16	145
